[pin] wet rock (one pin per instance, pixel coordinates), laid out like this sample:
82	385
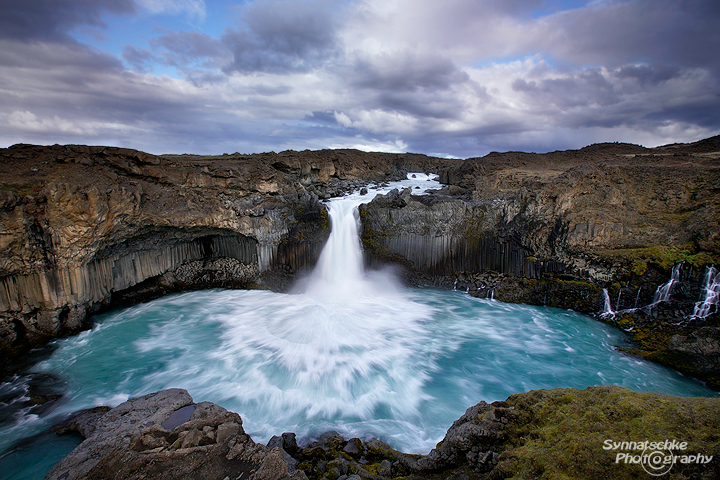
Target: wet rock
353	447
289	442
129	441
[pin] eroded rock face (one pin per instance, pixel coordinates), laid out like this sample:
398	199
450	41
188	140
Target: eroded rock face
84	228
528	214
165	435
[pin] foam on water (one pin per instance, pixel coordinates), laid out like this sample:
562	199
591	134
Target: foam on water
402	372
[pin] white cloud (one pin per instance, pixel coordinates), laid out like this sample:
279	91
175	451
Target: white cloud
25	120
369	145
193	8
343	119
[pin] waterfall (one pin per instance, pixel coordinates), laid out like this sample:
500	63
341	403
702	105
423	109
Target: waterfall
340	273
637	297
607	309
341	261
712	294
662	294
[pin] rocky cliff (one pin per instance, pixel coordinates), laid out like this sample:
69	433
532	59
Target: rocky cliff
85	228
555	229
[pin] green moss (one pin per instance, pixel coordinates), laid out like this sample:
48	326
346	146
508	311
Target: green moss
324	219
639	268
561	433
662	256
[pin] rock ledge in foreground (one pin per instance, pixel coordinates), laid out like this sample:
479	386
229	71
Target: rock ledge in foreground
560	433
164	435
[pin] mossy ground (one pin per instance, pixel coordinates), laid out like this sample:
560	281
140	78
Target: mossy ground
560	434
553	434
663	257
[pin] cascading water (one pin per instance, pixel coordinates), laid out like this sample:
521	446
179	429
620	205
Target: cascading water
712	294
662	294
349	350
607	308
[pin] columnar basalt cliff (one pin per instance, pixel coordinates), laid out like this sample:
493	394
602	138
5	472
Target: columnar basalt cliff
84	228
555	229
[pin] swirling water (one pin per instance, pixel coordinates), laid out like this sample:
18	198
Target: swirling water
349	350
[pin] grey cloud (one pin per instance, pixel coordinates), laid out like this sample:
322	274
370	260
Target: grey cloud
585	88
140	58
421	106
628	96
47	58
198	56
667	32
422	86
703	112
406	72
649	75
282	36
191	45
78	83
27	20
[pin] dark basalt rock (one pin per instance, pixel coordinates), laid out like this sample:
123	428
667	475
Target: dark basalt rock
140	439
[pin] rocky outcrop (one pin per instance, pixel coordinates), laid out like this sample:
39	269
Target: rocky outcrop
85	228
561	433
165	435
556	229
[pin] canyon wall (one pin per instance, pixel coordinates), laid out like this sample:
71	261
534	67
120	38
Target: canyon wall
83	228
568	230
584	213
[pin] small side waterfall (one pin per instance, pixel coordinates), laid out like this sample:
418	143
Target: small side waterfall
709	304
712	294
662	294
607	309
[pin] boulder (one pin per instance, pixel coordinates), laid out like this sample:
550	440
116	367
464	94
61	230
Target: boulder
130	441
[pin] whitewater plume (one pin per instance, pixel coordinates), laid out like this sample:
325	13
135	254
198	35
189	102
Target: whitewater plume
662	294
712	294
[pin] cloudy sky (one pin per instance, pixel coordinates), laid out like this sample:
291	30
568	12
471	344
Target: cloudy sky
442	77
